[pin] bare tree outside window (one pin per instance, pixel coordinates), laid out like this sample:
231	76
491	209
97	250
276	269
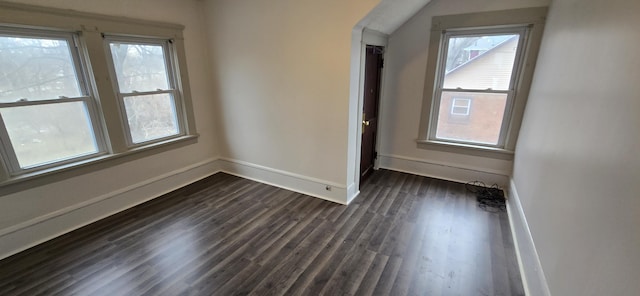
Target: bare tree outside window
57	111
144	83
36	69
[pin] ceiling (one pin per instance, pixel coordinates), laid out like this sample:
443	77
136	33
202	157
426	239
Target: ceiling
389	15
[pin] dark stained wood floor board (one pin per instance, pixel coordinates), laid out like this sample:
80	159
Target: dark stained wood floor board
225	235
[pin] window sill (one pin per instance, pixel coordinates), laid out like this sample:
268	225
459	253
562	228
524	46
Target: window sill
489	152
25	181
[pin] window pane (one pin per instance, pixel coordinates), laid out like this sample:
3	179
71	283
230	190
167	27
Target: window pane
482	123
139	67
460	106
480	62
48	133
151	117
36	69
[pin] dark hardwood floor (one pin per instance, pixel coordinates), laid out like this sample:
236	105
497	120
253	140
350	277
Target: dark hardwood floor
224	235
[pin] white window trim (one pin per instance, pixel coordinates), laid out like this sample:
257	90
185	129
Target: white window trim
105	114
533	19
466	106
171	68
519	30
12	165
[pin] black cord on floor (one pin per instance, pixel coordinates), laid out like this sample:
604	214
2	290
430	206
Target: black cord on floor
490	199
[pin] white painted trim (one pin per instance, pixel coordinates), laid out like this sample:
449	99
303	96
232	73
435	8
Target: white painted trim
27	234
372	37
356	104
352	192
35	231
446	171
368	37
533	279
360	37
287	180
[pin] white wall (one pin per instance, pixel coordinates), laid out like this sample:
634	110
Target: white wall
577	167
281	71
20	212
401	102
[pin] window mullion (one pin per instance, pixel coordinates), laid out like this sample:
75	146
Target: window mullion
104	86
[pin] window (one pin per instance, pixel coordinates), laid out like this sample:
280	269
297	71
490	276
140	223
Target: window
146	88
460	107
488	78
46	108
78	89
480	58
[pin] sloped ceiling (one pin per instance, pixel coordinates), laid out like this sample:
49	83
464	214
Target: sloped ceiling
389	15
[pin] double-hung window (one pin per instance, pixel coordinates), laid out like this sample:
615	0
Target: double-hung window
487	78
479	71
48	114
146	87
77	90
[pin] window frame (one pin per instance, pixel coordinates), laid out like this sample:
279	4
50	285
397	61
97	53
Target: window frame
171	68
11	164
522	31
90	29
533	19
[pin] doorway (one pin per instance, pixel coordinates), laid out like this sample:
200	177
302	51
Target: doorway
371	99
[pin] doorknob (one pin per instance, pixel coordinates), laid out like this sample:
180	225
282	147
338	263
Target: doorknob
365	123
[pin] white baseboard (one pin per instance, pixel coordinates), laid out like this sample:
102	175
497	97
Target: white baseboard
451	172
352	192
27	234
32	232
531	271
287	180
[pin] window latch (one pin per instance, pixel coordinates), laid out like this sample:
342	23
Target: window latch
23	100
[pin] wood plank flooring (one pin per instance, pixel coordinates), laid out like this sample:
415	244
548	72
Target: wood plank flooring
224	235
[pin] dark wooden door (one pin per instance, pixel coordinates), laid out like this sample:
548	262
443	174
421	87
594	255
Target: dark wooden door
373	72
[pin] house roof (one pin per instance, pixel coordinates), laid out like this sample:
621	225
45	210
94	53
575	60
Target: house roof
478	57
